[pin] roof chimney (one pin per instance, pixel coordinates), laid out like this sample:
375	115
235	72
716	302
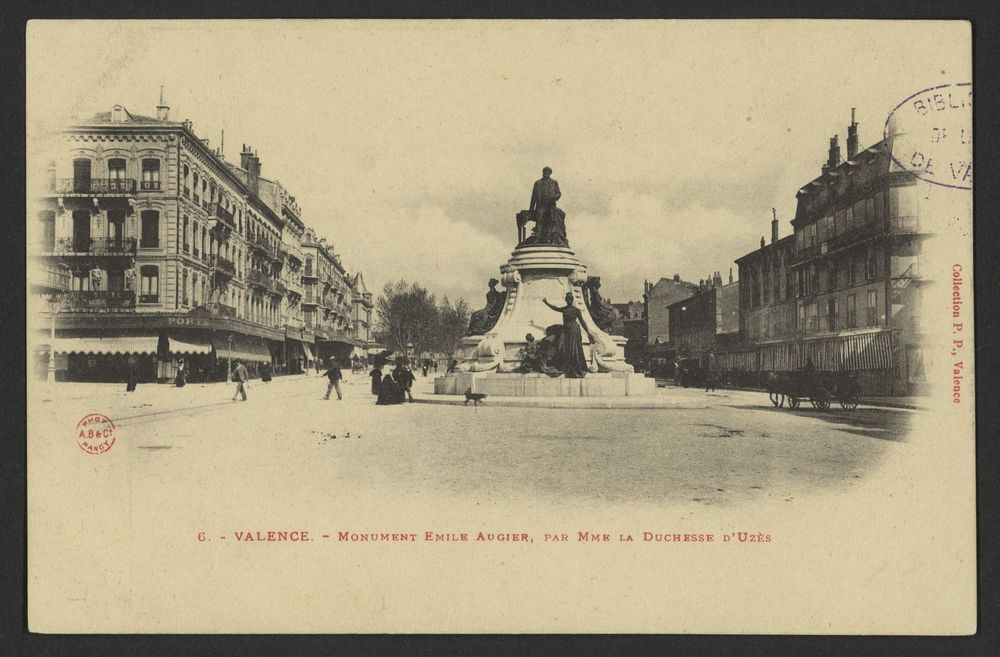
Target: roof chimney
762	241
677	277
852	137
250	163
730	275
834	159
162	110
774	225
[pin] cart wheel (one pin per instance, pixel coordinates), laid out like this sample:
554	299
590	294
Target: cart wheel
850	403
793	402
823	404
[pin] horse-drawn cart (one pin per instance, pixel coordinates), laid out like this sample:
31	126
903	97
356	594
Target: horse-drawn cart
820	388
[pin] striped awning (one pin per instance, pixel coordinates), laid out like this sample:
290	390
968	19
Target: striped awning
307	350
144	344
179	347
243	347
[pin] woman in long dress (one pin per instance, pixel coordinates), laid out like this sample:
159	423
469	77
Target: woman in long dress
572	361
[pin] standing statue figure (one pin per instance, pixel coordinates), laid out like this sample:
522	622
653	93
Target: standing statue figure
486	318
571	358
605	315
550	221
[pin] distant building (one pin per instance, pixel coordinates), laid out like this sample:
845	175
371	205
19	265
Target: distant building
633	314
767	290
658	297
707	321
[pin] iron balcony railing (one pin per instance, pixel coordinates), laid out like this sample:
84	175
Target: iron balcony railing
225	311
149	185
221	213
99	300
95	186
110	246
223	265
260	279
149	298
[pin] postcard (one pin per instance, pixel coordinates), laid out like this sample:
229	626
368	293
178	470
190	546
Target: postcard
675	319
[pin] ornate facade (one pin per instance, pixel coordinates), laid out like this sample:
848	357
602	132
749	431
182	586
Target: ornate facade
150	247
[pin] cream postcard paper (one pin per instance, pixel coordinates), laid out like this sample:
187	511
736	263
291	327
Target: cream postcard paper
721	382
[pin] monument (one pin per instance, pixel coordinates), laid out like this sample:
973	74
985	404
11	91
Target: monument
548	333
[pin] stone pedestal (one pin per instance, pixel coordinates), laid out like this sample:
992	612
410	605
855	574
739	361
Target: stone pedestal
607	384
531	274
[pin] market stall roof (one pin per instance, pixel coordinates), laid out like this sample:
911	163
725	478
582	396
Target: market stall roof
244	347
179	347
143	344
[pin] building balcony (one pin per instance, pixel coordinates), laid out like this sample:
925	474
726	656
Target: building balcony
187	191
309	300
51	279
222	266
185	248
904	225
94	187
223	310
279	288
99	300
149	298
149	185
309	272
259	279
223	216
97	246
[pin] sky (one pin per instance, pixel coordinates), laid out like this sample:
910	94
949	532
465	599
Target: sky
412	145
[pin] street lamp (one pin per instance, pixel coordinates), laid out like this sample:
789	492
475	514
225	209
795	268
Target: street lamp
229	356
56	302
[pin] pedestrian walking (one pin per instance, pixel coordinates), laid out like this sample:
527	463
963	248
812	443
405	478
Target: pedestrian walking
133	374
265	372
710	372
240	376
334	374
434	365
453	367
376	375
181	377
404	378
423	369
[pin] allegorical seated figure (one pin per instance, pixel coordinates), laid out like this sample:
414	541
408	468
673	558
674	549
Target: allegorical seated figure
541	355
605	315
486	318
550	221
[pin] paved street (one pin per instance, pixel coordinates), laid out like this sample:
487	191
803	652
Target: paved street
737	449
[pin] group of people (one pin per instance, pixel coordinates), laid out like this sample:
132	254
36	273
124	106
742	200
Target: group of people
395	386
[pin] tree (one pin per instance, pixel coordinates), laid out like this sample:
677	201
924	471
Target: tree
406	314
452	321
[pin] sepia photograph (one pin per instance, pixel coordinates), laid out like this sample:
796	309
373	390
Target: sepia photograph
675	318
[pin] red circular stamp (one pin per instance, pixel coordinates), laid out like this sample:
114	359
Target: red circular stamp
95	433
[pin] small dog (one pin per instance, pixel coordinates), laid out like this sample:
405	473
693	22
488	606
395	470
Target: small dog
474	397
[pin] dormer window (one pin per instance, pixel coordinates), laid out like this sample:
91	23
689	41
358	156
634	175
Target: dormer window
117	114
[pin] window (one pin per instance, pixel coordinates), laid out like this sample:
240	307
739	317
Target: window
812	315
832	313
48	218
810	235
861	213
872	308
81	281
81	175
777	285
800	282
116	168
813	279
824	229
150	229
840	223
766	287
871	265
150	174
850	270
800	240
185	244
149	284
184	288
789	284
852	312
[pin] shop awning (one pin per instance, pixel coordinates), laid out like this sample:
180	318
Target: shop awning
243	347
178	347
307	350
144	344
